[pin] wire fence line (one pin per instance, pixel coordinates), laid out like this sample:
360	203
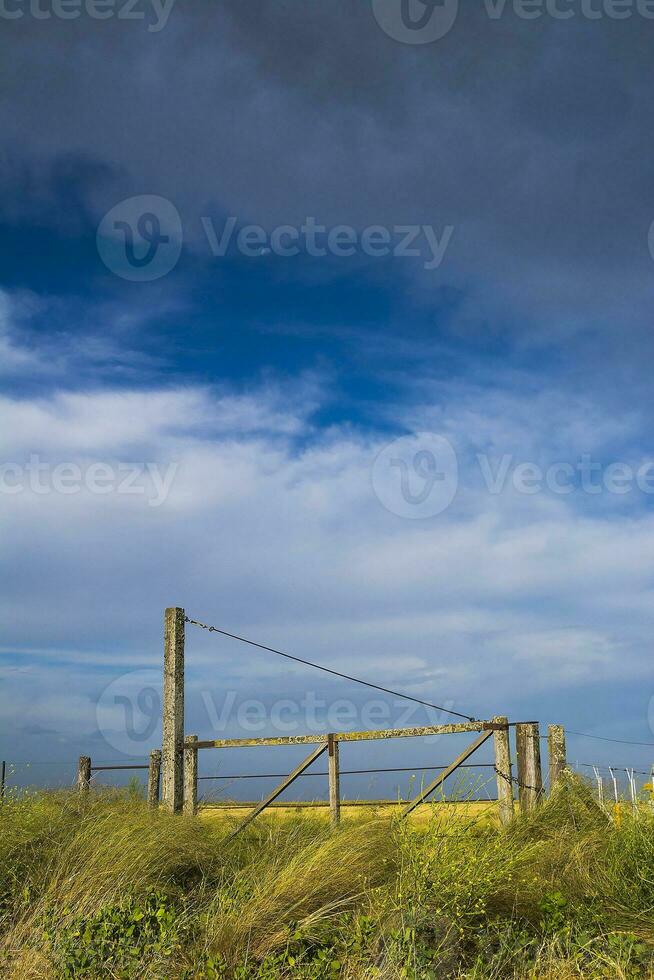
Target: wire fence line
106	766
347	772
327	670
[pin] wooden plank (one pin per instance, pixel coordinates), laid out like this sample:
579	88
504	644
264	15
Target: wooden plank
502	747
154	778
83	773
454	729
173	710
530	779
422	796
521	754
280	789
334	780
556	753
190	776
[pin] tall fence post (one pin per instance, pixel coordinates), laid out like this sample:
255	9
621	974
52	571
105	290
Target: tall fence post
530	778
556	753
172	754
190	775
503	773
84	773
3	779
154	777
334	780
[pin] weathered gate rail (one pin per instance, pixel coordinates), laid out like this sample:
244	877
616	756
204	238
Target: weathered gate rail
530	783
529	779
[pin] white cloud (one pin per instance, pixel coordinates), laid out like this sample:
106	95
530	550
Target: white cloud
496	603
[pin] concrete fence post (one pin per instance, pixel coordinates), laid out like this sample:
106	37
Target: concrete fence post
503	773
190	776
154	777
530	778
172	750
84	773
334	780
556	753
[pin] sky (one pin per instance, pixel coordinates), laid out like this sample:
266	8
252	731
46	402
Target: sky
331	324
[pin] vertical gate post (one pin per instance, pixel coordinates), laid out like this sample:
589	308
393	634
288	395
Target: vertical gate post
334	780
84	773
556	752
503	773
190	776
154	777
173	710
530	778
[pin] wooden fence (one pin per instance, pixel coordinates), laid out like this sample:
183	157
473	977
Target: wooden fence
176	765
85	771
529	779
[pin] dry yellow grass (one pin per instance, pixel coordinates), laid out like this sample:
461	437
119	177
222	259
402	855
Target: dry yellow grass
102	888
484	812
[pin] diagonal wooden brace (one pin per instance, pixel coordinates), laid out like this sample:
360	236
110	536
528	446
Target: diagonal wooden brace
428	790
282	786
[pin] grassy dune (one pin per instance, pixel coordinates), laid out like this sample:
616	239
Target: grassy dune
104	888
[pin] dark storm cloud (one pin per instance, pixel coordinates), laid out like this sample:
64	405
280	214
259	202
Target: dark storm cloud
532	138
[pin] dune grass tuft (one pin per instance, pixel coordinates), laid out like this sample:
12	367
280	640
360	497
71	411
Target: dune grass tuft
103	887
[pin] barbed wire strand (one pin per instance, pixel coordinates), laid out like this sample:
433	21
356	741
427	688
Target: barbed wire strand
604	738
345	772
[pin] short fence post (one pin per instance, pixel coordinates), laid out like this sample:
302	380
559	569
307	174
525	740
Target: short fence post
190	776
84	773
600	787
154	777
334	780
503	769
556	753
530	779
3	778
173	710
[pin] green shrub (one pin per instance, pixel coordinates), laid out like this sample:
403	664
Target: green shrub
115	940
